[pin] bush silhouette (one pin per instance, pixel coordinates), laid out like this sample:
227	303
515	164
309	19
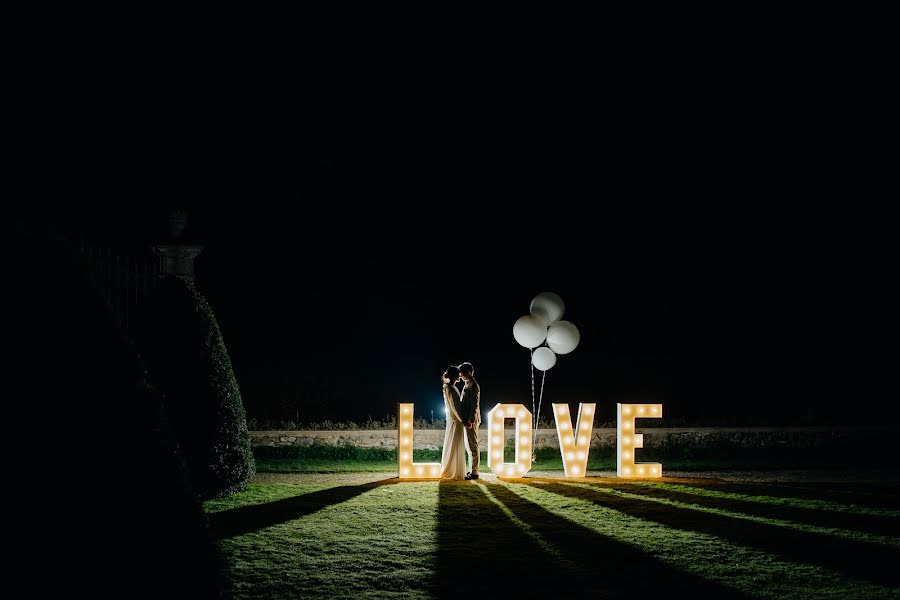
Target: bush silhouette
186	358
103	505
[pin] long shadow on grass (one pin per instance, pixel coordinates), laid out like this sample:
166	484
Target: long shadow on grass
480	550
859	559
877	524
616	568
875	495
247	519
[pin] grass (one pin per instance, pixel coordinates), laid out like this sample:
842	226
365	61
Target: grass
348	459
346	536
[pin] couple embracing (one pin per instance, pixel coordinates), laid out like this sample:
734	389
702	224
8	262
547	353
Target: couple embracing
463	419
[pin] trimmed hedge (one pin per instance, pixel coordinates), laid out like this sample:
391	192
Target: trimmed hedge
112	514
179	337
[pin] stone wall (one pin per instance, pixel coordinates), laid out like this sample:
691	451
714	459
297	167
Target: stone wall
711	437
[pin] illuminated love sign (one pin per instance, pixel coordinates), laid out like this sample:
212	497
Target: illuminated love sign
496	419
574	441
406	467
627	440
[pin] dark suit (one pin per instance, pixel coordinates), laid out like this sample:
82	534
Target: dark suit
471	413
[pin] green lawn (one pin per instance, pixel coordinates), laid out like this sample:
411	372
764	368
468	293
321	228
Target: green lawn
341	459
314	464
352	535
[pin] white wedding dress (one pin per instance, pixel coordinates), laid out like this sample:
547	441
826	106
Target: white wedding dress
453	458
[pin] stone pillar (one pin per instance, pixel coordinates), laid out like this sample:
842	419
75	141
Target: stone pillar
176	258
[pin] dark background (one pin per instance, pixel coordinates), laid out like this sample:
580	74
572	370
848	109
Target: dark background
713	254
338	309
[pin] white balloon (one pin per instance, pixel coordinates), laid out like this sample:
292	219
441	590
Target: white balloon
543	358
548	307
563	337
529	331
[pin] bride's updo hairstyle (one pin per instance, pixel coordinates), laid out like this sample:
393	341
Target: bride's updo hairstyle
452	373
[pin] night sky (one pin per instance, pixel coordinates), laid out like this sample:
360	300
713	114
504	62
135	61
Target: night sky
348	280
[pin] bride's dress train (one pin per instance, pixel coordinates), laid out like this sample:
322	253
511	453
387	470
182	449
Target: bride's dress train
453	458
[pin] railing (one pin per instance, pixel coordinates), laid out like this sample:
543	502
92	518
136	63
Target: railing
123	280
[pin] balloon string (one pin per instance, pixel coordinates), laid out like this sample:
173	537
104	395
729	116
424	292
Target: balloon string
533	406
544	378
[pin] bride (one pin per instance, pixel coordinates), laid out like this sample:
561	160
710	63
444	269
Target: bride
453	459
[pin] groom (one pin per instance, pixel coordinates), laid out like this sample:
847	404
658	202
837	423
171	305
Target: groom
471	415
